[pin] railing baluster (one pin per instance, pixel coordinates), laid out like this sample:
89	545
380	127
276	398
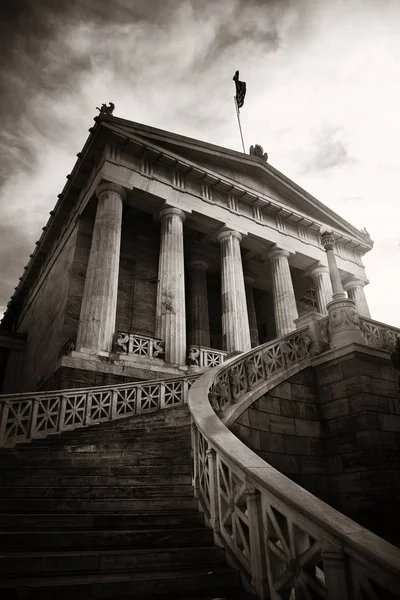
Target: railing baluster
257	544
336	576
213	489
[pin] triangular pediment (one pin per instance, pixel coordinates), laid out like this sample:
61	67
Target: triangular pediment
243	169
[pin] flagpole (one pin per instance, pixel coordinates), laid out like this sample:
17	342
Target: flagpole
240	127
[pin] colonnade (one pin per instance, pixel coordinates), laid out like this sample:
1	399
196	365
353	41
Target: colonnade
239	324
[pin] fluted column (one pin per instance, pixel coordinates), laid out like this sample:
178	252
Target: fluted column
199	326
99	303
171	317
283	292
328	245
251	309
235	321
323	287
355	290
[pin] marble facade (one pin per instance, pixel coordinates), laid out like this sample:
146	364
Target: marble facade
221	214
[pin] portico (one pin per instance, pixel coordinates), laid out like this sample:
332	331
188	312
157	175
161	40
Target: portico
175	253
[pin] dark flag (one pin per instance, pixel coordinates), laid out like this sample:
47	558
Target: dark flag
240	90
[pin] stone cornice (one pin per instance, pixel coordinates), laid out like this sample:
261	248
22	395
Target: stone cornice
241	191
246	159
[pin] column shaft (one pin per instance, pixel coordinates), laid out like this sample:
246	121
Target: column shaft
170	318
283	292
251	309
355	291
99	303
199	326
323	287
235	321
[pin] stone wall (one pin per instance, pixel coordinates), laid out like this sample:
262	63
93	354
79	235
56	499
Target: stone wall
284	428
43	321
360	415
335	430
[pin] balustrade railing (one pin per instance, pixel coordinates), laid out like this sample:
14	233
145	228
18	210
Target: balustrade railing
257	366
290	544
201	356
27	416
136	344
378	334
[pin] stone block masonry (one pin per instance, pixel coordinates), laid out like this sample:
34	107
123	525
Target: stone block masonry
335	430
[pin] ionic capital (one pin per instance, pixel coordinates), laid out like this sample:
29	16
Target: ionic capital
229	233
108	186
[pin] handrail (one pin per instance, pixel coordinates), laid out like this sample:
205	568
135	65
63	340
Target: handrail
379	335
285	539
24	417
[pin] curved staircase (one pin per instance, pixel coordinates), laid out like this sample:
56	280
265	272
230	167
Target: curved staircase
106	508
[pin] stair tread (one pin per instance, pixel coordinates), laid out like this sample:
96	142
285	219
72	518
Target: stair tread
108	577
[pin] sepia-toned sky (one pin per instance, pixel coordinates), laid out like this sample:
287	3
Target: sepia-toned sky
323	99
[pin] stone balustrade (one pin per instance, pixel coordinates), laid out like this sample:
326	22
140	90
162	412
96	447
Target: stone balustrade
24	417
287	542
136	344
201	356
378	334
259	365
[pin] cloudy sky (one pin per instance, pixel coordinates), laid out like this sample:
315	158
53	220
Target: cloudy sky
323	81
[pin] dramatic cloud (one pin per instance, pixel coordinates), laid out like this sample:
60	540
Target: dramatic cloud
322	99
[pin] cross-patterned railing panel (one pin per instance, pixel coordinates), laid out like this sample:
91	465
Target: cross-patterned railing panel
136	344
258	366
378	334
291	545
200	356
24	417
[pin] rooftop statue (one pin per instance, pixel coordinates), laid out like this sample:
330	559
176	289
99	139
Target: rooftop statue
106	110
258	150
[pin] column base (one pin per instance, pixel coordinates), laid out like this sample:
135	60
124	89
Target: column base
344	326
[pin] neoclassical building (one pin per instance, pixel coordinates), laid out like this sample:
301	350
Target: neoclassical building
162	255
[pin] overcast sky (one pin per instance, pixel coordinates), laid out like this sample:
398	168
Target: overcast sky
323	99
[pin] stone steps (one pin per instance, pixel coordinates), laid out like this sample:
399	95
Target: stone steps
96	492
107	512
54	521
97	561
114	505
139	481
109	538
167	583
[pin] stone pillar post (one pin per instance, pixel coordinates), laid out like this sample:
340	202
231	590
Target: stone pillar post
99	303
283	292
344	327
199	325
171	316
235	322
323	287
355	290
251	309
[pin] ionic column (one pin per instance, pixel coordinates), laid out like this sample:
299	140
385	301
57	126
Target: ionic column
283	292
344	325
323	287
171	317
251	310
328	245
235	322
99	303
355	290
199	326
